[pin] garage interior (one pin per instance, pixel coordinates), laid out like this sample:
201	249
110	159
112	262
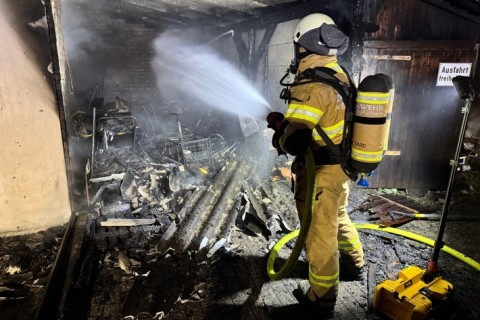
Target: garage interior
138	179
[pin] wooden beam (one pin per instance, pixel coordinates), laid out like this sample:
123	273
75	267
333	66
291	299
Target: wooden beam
117	222
419	44
189	13
241	49
271	15
249	57
262	47
458	12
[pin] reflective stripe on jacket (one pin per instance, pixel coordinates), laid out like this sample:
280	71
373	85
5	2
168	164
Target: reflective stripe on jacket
315	103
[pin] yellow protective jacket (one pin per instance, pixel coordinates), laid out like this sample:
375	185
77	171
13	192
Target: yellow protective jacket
312	104
330	229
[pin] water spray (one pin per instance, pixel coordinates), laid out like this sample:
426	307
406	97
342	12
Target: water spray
229	32
184	68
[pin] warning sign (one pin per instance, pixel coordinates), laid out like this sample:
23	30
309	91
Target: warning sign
448	71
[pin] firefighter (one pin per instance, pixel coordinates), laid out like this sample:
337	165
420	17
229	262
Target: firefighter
331	236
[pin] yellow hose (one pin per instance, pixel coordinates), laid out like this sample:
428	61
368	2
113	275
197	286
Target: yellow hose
305	225
302	233
419	238
407	234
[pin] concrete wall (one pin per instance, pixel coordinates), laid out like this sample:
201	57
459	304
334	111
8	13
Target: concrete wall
33	183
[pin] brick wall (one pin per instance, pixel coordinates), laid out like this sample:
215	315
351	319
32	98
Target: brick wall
115	51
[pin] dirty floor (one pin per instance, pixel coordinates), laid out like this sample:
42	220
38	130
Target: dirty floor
141	282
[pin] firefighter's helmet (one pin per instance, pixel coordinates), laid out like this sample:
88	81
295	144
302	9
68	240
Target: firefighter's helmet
319	34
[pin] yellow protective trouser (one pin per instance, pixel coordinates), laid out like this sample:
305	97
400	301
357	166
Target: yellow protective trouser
330	230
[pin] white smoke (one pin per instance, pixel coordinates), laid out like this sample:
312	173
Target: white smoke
195	70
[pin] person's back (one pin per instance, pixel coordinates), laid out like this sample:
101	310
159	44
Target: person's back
314	106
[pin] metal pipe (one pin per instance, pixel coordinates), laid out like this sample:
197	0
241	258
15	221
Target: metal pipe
49	305
454	163
93	140
231	32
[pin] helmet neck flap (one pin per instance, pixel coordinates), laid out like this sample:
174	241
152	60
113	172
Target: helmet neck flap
319	34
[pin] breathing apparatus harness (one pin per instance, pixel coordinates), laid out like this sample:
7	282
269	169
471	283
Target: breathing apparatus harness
372	91
332	153
318	34
323	75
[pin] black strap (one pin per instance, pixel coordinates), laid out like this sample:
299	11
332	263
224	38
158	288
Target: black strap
326	155
327	76
333	154
365	120
324	137
336	154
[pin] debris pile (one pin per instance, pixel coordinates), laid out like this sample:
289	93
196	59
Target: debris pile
136	184
129	192
180	226
173	264
395	210
25	266
162	212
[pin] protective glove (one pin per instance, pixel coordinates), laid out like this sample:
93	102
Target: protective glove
276	143
276	121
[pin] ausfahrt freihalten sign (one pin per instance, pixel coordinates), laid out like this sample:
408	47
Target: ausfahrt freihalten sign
448	71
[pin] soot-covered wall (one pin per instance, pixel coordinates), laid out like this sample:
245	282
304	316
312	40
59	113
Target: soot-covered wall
105	44
33	178
104	48
417	20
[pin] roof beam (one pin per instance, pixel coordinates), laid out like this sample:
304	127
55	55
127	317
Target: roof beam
459	12
198	9
272	15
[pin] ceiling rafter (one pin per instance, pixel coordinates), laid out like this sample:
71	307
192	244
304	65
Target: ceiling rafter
205	14
198	9
272	15
467	9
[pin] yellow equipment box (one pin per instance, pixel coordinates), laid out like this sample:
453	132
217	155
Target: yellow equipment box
408	297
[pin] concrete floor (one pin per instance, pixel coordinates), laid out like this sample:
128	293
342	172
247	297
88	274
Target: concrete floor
235	285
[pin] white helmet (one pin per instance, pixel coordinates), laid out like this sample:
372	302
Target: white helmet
318	33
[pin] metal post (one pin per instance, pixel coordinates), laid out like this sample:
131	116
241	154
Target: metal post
432	263
180	137
94	113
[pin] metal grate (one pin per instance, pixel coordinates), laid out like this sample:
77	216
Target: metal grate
196	149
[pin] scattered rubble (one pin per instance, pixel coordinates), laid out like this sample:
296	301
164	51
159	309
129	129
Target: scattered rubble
181	229
25	266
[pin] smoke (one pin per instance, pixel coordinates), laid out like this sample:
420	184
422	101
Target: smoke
184	68
82	42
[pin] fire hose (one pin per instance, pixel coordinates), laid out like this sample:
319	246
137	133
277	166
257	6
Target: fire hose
300	233
419	238
305	225
406	234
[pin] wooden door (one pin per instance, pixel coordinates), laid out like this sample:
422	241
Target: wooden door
426	118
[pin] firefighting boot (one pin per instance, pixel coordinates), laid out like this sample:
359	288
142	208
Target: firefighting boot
348	270
307	297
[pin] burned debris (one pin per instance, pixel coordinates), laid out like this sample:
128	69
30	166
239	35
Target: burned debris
179	230
25	266
180	226
136	181
395	210
158	203
142	182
